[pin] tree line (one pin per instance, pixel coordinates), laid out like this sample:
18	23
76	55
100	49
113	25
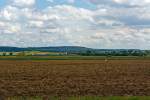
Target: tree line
116	53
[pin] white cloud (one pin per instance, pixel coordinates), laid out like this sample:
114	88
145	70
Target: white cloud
122	2
9	13
23	3
105	27
34	23
133	2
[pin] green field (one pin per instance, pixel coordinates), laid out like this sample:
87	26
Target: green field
80	98
72	58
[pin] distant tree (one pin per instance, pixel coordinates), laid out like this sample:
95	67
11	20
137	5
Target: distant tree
88	52
10	53
4	54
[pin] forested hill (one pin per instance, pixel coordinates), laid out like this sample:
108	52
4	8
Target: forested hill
78	50
49	49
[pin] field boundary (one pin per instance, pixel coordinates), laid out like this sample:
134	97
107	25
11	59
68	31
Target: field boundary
73	58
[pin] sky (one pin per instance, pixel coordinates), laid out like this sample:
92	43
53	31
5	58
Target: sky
104	24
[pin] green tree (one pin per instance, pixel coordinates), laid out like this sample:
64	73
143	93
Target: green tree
88	52
10	53
4	54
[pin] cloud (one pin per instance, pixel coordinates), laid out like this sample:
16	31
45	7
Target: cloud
104	27
133	2
121	3
41	27
23	3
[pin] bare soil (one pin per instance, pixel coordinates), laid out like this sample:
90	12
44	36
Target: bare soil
75	78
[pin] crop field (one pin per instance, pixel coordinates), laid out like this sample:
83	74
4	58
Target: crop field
75	78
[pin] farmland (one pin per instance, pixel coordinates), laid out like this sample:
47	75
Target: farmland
73	57
75	77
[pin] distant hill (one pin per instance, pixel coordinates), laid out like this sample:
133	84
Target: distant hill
71	49
77	50
11	49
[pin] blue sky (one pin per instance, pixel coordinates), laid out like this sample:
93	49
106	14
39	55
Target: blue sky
2	3
91	23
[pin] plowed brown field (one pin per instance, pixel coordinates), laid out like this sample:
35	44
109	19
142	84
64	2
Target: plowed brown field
75	77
